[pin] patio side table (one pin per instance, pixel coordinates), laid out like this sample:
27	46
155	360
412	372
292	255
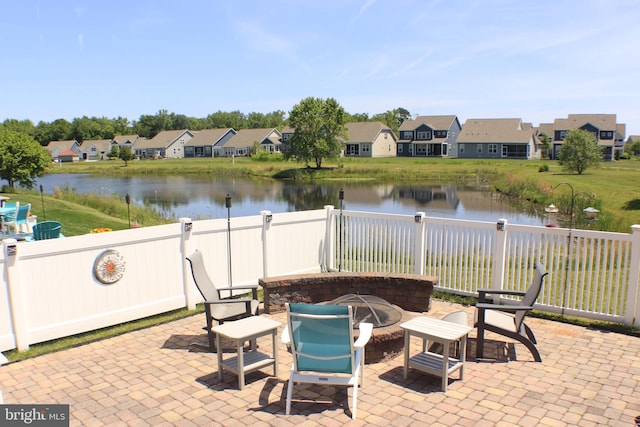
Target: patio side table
440	331
247	329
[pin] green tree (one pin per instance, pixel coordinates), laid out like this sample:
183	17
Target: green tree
545	144
319	130
579	151
22	158
113	154
126	155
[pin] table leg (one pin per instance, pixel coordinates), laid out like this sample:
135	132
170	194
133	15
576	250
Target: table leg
239	346
219	354
275	353
407	342
463	355
445	365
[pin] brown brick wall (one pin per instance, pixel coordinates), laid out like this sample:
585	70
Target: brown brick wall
409	291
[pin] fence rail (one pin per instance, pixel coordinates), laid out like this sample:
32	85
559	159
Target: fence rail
49	289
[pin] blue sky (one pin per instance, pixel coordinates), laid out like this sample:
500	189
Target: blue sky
535	60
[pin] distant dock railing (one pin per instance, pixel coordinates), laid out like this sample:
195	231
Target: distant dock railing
50	289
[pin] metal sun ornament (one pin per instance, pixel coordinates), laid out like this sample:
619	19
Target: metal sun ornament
109	267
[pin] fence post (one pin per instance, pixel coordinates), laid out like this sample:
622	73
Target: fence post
632	312
329	241
17	297
419	243
267	217
185	232
499	256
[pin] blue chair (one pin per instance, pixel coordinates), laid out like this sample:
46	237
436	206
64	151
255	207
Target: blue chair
323	349
46	230
16	220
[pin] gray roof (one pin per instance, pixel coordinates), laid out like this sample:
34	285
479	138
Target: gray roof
124	139
494	130
575	121
434	122
55	147
206	137
247	137
366	131
103	145
163	139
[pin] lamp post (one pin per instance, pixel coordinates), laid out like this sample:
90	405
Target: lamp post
590	212
44	217
128	200
227	204
341	198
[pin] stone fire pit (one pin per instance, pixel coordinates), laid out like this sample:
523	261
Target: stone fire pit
411	293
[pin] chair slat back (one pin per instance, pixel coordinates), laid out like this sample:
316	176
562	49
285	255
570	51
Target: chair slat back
532	293
201	277
46	230
321	337
22	213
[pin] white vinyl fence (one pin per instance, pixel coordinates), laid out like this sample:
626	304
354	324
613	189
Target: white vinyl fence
49	290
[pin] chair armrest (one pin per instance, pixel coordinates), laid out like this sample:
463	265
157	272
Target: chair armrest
482	293
366	329
237	288
510	308
230	289
229	301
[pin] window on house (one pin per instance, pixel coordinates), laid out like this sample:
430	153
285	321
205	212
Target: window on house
493	149
479	148
441	134
461	148
563	134
400	147
423	135
365	148
407	134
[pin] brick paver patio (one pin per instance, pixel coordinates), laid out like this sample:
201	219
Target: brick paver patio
154	377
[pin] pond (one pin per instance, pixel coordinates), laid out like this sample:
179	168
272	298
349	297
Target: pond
204	197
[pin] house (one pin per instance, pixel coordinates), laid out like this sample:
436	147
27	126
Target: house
126	141
428	136
369	139
241	144
609	134
97	149
166	144
56	147
68	156
497	138
203	142
287	132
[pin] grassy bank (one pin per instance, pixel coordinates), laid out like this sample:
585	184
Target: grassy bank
614	185
79	214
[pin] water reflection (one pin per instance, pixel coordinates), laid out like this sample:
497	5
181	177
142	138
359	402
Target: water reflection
203	198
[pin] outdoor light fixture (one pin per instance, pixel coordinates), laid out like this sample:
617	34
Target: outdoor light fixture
128	200
418	218
44	217
268	218
227	204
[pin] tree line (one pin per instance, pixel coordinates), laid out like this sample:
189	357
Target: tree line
92	128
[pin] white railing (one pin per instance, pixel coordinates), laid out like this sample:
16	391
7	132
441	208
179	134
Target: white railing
591	274
48	289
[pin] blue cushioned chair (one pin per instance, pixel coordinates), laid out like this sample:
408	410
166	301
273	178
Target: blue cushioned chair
46	230
324	352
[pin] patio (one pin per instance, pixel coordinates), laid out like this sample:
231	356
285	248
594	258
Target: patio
149	377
